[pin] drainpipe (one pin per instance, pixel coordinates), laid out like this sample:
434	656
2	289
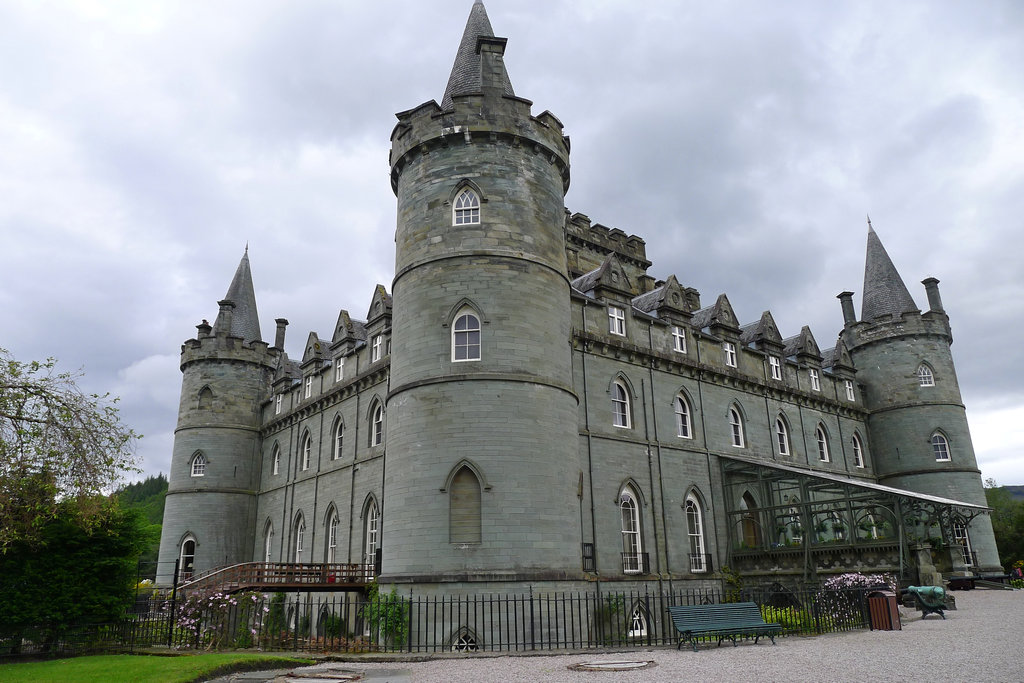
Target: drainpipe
657	446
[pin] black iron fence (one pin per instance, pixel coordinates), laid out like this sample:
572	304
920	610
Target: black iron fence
349	622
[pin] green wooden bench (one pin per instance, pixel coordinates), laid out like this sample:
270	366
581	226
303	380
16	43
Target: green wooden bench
721	621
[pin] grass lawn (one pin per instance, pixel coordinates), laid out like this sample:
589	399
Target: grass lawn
142	668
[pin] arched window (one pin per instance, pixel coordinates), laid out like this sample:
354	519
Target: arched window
750	527
268	541
300	538
199	465
633	560
464	641
337	438
187	558
464	507
466	210
306	450
620	405
695	533
940	447
205	397
371	534
683	428
466	337
858	452
822	438
925	377
782	435
331	554
736	427
637	623
377	425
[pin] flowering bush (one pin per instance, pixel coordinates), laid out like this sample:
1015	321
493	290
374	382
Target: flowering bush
840	599
217	620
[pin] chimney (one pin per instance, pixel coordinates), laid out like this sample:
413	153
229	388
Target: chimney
223	322
931	286
282	323
849	315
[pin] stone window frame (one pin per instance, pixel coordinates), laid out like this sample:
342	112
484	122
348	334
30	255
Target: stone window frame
462	336
940	447
197	466
616	320
736	436
858	451
821	436
337	437
332	521
339	368
268	540
466	207
307	387
376	423
775	367
275	460
377	348
299	544
470	511
782	439
851	394
925	375
371	531
678	339
621	405
729	354
693	510
278	404
305	451
815	378
631	528
185	568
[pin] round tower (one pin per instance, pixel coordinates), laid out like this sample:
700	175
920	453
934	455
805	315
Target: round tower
211	497
481	437
917	424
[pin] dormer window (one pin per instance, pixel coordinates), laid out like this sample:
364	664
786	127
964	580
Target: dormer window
467	208
815	379
678	339
339	368
775	366
377	349
307	387
278	400
850	395
729	349
617	321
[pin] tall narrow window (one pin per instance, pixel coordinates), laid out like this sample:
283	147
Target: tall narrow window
205	397
278	401
268	542
307	387
750	527
307	451
331	556
775	365
736	427
377	348
464	507
466	208
782	435
617	321
729	351
466	338
964	541
678	339
300	538
858	452
924	375
337	438
632	545
275	460
695	532
637	623
377	425
940	447
815	379
822	439
850	394
371	534
339	368
199	465
683	418
620	406
187	558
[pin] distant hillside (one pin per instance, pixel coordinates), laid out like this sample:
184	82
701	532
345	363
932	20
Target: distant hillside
148	498
1016	491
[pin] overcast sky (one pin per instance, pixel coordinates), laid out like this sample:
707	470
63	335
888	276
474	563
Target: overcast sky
143	144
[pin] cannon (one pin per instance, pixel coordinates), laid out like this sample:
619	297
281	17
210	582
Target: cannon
930	599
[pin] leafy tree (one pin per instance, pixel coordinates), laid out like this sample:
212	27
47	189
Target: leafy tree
57	444
75	570
148	498
1007	522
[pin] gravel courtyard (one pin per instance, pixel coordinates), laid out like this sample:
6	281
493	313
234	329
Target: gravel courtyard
980	642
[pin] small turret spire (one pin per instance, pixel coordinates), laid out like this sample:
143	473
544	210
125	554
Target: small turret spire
466	75
884	291
245	320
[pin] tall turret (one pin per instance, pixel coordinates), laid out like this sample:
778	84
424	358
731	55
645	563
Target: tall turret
481	474
919	438
226	369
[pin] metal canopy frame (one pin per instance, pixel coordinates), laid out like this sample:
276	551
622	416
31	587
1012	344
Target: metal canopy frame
800	508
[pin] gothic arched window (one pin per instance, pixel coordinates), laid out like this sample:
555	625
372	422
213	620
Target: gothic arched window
199	465
782	435
822	438
464	505
466	337
632	541
940	447
736	427
858	452
925	376
307	450
466	210
337	438
620	405
695	533
683	427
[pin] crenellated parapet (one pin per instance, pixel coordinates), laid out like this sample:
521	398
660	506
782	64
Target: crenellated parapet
229	349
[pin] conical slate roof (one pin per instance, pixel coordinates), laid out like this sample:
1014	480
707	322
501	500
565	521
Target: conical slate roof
884	291
245	321
465	76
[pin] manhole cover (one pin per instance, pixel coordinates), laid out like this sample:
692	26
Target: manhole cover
618	665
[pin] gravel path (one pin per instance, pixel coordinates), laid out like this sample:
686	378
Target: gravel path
978	643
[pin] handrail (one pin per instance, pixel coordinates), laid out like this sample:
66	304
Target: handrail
270	574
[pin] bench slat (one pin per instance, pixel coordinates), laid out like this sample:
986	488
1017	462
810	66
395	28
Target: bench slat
723	620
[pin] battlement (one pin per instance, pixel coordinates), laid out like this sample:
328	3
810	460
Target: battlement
913	323
229	348
475	118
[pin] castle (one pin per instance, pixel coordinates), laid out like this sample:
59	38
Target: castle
529	407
